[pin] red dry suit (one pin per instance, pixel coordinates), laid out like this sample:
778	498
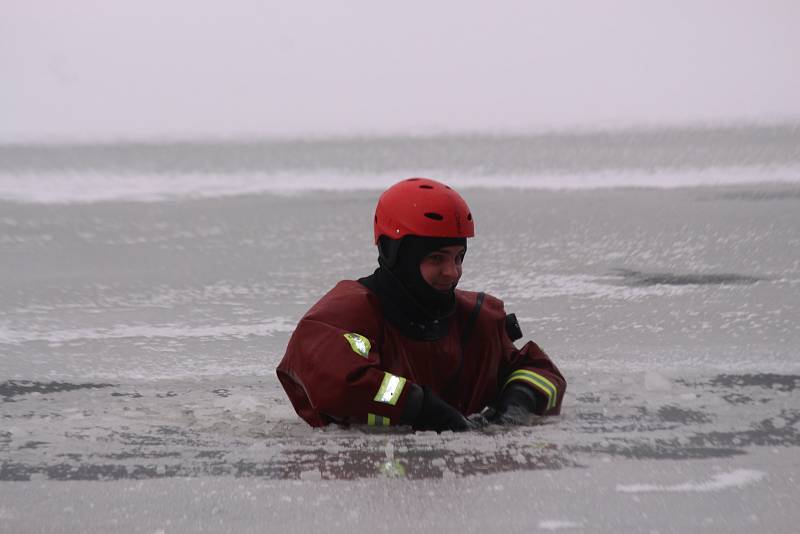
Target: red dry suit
346	363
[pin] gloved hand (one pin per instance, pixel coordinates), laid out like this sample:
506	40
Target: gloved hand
515	403
434	413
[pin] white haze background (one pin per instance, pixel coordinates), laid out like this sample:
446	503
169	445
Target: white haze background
93	70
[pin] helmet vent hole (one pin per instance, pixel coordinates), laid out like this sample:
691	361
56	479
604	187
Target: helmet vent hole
426	187
434	216
469	216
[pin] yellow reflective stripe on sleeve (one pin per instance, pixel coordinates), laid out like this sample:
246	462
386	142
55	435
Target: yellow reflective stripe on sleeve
539	382
391	388
377	420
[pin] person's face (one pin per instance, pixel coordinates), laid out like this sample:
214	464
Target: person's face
441	269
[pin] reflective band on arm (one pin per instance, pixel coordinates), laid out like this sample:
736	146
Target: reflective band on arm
377	420
538	381
391	388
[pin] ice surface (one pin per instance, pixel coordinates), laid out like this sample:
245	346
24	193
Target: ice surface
664	157
569	500
138	344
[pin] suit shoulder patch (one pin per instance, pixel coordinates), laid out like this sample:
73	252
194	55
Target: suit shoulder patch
358	343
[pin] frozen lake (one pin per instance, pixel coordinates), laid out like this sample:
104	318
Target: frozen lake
140	329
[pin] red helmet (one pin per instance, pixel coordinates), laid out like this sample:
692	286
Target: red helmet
422	207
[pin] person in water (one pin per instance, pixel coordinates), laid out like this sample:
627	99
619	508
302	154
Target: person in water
403	346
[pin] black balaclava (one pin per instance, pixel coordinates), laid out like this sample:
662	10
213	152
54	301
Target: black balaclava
409	302
411	251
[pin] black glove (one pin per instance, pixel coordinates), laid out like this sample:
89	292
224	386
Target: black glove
515	404
426	411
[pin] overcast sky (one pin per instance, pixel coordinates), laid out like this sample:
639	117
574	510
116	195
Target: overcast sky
83	69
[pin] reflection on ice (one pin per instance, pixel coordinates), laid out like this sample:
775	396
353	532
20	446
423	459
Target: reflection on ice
14	388
636	278
734	479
